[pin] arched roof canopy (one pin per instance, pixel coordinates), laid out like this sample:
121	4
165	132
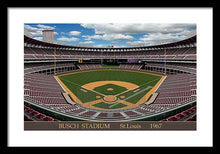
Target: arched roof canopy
32	41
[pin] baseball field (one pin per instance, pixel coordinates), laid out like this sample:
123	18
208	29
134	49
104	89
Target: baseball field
110	89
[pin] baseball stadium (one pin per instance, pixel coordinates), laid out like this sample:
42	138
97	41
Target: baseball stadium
88	83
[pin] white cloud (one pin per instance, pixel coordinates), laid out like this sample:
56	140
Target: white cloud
109	37
158	38
89	37
30	28
117	37
136	28
87	42
37	31
100	45
45	27
66	39
38	38
137	43
74	33
154	33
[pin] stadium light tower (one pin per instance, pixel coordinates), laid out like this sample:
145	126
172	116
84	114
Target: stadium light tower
54	61
165	56
165	68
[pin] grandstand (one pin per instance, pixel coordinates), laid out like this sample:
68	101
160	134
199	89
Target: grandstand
44	95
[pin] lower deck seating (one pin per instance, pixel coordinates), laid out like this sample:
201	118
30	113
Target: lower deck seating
131	66
44	90
88	66
33	115
187	115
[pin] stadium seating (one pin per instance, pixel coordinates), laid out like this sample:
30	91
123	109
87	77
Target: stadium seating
131	66
175	54
188	68
42	89
88	66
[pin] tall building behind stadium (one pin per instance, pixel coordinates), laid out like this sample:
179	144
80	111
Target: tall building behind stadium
48	36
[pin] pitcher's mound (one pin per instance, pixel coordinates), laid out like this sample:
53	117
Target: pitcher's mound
110	98
110	89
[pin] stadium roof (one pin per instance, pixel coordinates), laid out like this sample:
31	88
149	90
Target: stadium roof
41	43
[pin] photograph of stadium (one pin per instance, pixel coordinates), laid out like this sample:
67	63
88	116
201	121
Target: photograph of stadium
106	73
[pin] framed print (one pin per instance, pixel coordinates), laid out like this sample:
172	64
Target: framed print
110	76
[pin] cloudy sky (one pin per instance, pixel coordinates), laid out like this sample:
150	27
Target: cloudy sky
114	34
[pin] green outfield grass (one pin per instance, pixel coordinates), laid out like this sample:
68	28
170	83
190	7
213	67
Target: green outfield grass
76	80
